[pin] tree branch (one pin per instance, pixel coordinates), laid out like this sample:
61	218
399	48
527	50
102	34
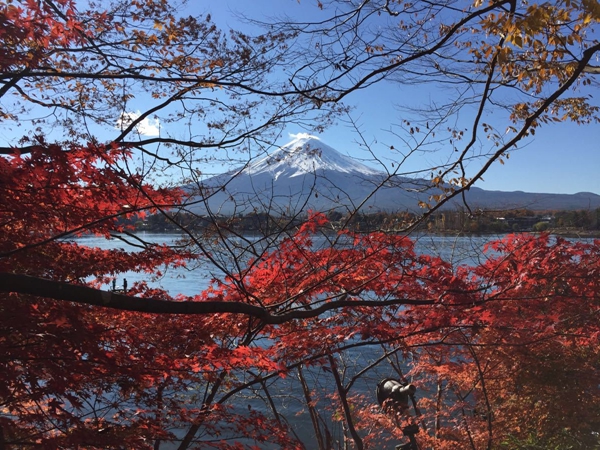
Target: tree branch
57	290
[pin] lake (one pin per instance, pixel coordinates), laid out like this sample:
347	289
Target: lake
457	249
287	393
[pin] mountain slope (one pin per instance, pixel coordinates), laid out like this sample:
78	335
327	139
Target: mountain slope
306	155
308	174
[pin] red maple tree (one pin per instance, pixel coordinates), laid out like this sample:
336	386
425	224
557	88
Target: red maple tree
504	352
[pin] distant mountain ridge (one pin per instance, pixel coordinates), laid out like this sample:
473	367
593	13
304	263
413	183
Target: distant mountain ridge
309	174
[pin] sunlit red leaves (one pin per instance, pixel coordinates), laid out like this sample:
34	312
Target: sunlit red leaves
512	352
532	304
62	362
493	335
498	342
299	275
489	338
30	29
69	190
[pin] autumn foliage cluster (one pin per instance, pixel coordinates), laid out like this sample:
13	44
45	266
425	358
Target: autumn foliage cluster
296	327
503	351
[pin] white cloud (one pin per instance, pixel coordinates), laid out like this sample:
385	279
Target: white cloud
302	136
147	127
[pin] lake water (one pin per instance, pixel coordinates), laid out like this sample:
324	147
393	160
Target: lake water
287	392
457	249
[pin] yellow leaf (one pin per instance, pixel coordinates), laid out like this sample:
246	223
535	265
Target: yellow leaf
517	40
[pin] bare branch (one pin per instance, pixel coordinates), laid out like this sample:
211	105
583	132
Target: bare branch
41	287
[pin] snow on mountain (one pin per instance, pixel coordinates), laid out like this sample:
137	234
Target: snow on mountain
308	174
307	154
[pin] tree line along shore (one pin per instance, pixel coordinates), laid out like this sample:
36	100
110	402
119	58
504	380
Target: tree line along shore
565	222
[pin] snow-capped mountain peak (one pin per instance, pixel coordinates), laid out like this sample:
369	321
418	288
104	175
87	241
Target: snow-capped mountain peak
307	174
306	154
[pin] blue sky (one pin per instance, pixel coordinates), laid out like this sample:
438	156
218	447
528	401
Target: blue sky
560	158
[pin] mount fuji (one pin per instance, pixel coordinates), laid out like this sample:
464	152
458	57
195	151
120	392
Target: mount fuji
308	174
307	155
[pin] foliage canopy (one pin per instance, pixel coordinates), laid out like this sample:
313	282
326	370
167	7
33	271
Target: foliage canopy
505	350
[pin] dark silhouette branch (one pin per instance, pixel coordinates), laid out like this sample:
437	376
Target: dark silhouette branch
62	291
